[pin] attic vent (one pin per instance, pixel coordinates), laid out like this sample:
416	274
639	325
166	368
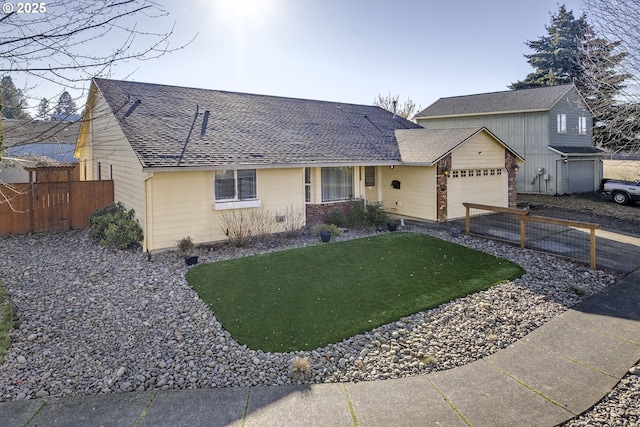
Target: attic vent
256	155
205	120
133	107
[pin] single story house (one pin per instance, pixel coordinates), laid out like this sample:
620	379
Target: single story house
550	126
190	160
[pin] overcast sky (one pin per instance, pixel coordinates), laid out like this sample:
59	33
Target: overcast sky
348	50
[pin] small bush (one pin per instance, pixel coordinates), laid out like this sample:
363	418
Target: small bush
357	213
115	225
337	218
335	231
185	246
300	367
376	215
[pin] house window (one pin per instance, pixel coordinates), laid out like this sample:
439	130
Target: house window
307	185
463	174
337	184
455	174
582	125
562	123
369	176
235	185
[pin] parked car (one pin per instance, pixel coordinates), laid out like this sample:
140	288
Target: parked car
621	191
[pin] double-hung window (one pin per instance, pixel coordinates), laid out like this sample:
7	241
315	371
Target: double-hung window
562	123
582	125
235	185
337	184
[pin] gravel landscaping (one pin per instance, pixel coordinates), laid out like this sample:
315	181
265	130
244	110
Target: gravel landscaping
94	320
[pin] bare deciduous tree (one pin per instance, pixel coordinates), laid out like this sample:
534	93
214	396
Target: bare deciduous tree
617	21
408	109
63	41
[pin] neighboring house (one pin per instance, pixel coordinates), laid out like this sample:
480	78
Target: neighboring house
550	127
33	143
191	160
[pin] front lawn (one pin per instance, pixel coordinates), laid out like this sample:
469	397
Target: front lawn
301	299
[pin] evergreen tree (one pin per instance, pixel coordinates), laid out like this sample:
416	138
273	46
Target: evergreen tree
14	102
66	105
43	109
571	52
555	57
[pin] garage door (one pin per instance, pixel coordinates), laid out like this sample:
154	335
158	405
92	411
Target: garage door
581	179
483	186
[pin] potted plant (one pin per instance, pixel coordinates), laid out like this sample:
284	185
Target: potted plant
392	226
186	250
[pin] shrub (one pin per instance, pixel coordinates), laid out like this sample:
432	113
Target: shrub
115	225
300	367
367	214
376	215
335	231
357	213
185	246
337	218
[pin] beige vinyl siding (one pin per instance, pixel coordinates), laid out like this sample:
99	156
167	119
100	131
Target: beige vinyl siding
416	197
481	151
485	179
183	204
109	146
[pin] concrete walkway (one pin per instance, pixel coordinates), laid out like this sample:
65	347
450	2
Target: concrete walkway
553	374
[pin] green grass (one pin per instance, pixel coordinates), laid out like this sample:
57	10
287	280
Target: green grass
306	298
6	322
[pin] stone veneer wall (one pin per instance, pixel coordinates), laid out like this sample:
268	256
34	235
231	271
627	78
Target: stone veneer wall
441	187
509	162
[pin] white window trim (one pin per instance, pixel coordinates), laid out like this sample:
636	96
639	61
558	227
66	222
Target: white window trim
562	123
237	204
582	125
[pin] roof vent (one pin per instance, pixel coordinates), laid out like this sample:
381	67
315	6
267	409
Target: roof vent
133	107
395	106
205	120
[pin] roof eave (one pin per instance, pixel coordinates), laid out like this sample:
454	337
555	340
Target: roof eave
491	113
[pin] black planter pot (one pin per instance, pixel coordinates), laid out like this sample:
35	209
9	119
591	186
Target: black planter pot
392	226
191	260
325	236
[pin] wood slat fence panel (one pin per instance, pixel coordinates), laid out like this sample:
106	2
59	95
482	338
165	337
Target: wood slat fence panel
51	206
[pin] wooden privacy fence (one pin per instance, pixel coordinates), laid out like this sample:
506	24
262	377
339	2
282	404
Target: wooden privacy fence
560	236
51	206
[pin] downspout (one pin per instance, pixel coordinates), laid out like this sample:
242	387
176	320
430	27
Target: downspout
147	214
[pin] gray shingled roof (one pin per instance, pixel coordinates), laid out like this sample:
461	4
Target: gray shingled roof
538	99
35	139
427	146
248	130
567	150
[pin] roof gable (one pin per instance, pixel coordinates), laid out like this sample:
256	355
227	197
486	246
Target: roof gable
428	146
524	100
169	127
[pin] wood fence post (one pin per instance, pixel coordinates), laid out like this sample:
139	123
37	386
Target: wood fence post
467	222
523	233
592	249
32	195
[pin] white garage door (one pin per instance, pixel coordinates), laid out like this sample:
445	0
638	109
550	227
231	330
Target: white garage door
483	186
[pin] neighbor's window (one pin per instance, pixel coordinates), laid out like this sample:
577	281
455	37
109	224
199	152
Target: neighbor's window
369	176
562	123
582	125
337	184
235	184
